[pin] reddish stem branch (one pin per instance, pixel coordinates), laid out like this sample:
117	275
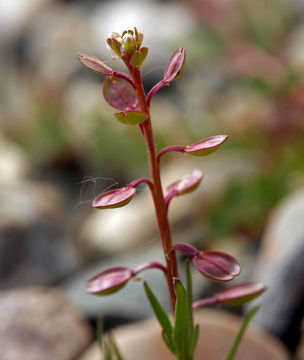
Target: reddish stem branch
157	191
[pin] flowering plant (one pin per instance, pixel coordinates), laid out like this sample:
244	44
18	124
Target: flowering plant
125	92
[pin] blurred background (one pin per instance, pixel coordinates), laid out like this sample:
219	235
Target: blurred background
60	146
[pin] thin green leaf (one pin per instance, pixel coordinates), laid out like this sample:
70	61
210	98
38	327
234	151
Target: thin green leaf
169	342
182	328
107	350
159	312
189	291
100	332
194	339
248	317
115	348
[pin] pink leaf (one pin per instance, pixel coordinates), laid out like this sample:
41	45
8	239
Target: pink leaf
120	94
175	65
240	294
109	281
206	146
216	265
187	184
114	198
94	64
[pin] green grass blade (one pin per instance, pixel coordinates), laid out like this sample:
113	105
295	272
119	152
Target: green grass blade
248	317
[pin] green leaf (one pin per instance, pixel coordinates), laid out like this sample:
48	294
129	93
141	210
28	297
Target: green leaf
194	339
183	326
131	117
115	349
169	342
159	312
248	317
189	292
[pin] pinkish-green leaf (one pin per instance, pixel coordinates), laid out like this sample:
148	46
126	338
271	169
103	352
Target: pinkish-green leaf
131	117
216	265
187	184
206	146
175	65
114	198
119	93
109	281
94	64
240	294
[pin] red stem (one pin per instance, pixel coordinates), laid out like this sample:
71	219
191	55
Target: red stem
157	191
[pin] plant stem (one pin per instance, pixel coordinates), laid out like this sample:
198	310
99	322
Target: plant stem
157	191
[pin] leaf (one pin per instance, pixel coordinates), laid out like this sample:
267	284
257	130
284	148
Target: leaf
194	339
206	146
169	342
94	64
109	281
240	294
175	65
159	312
131	117
182	327
115	349
189	293
248	317
120	94
187	184
216	265
114	198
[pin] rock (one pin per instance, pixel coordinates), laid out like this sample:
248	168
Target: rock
14	163
35	247
280	266
217	329
39	324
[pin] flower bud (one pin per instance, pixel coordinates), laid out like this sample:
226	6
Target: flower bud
128	43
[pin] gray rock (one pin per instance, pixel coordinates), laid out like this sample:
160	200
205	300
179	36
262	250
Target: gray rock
39	324
280	266
35	247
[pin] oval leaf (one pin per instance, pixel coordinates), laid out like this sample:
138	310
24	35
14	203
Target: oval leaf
240	294
94	64
131	117
216	265
114	198
109	281
187	184
119	93
175	65
206	146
